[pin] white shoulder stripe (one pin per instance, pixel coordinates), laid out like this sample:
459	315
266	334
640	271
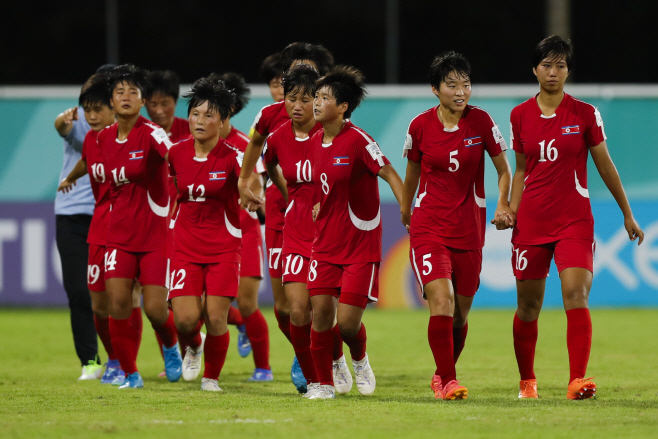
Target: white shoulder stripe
363	133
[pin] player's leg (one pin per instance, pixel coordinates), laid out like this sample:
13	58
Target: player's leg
466	265
300	330
217	340
256	327
324	302
274	244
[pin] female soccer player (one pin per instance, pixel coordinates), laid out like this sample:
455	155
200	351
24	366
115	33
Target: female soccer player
95	100
445	149
288	147
552	134
271	71
343	274
133	152
207	237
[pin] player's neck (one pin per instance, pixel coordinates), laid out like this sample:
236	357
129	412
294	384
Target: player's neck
301	130
332	128
448	118
225	130
549	101
203	147
126	124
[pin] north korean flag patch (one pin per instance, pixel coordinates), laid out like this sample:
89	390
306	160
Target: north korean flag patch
573	129
217	175
136	155
472	141
339	161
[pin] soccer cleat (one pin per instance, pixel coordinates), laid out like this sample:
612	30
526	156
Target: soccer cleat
112	370
324	391
162	374
133	381
173	362
244	345
528	389
581	388
453	391
261	375
342	376
119	379
297	376
92	371
192	360
364	376
210	385
437	387
312	389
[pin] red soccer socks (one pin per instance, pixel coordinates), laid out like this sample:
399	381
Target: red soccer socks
103	331
124	344
579	341
167	331
357	344
439	335
214	352
259	337
459	340
525	342
300	336
284	323
322	346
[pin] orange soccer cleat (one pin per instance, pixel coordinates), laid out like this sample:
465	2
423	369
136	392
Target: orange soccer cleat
528	389
581	388
437	387
453	391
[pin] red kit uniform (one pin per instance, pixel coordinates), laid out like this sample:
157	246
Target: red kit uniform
180	130
207	235
295	156
555	216
449	218
347	246
137	223
267	121
100	186
252	238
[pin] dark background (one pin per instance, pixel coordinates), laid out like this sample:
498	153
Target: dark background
64	42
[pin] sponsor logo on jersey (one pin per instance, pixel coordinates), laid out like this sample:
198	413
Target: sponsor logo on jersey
136	155
472	141
341	160
573	129
219	175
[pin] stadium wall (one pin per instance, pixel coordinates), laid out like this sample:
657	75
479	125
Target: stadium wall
625	274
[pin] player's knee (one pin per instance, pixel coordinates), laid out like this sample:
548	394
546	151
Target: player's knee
186	323
348	327
156	312
100	310
575	297
217	323
247	306
322	320
299	315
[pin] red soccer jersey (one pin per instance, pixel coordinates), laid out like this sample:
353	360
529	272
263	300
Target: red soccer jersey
267	121
294	156
138	174
348	227
100	186
207	226
555	201
450	207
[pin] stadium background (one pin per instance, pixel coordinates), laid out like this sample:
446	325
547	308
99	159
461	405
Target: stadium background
63	47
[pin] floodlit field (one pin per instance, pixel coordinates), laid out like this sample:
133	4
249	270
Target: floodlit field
40	397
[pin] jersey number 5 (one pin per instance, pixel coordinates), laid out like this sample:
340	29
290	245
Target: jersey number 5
453	161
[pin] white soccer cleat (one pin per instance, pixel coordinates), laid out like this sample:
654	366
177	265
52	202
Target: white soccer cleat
312	388
324	391
192	360
365	377
342	376
210	385
92	371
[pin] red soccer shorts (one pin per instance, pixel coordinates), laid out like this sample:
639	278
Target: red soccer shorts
354	284
274	244
252	254
190	279
149	268
534	261
96	268
295	268
436	261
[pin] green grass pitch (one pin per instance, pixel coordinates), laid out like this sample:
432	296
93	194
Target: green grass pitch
41	398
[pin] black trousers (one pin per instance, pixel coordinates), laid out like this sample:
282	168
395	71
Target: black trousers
71	236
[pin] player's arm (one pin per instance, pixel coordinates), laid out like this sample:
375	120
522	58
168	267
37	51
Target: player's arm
251	156
610	177
504	217
79	170
256	185
64	121
275	174
518	183
411	180
390	176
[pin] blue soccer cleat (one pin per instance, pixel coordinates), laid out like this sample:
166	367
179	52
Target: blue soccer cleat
173	362
119	379
261	375
244	345
112	370
297	376
133	381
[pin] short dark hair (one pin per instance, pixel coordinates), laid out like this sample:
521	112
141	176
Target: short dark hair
446	63
301	78
95	91
314	52
105	68
553	48
235	83
347	85
271	68
129	74
219	98
164	82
